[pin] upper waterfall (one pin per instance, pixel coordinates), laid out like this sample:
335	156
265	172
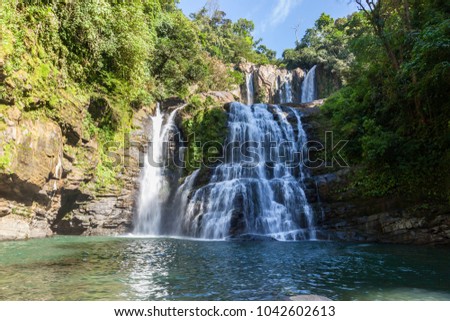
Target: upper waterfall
250	88
309	86
285	90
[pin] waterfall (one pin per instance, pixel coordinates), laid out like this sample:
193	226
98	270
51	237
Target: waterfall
287	92
250	88
181	202
286	96
155	189
284	89
309	86
259	187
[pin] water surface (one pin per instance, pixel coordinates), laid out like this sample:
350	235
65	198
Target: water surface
101	268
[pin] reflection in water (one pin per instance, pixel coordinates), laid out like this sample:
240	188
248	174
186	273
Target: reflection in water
78	268
152	260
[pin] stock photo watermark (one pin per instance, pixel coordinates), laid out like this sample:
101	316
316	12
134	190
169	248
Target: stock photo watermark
174	152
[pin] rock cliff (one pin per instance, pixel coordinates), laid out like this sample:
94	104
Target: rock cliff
46	179
31	176
270	82
343	213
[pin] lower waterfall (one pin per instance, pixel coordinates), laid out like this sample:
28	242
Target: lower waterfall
258	189
155	189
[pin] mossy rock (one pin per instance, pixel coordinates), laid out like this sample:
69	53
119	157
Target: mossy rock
102	113
205	129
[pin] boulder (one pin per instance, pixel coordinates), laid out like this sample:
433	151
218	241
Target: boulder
13	227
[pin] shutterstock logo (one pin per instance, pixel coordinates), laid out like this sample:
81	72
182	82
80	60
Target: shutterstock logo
174	153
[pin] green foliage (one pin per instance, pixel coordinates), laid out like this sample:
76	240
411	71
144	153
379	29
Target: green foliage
261	97
230	41
237	77
26	212
395	108
374	183
114	57
178	60
5	157
270	54
101	36
326	44
205	127
344	110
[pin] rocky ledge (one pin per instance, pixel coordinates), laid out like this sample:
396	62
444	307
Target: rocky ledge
45	177
349	217
346	215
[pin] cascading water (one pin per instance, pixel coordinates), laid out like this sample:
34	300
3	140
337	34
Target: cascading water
309	86
287	92
250	88
155	188
259	187
284	89
181	202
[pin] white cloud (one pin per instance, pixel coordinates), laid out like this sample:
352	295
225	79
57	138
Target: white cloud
282	11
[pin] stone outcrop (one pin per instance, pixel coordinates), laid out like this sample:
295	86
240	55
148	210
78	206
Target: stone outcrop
46	185
307	108
343	214
221	97
110	211
352	217
30	177
326	82
269	82
35	153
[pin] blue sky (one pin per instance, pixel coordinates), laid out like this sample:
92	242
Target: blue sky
276	20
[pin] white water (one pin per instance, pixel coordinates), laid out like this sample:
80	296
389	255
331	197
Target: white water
155	188
285	92
258	193
309	86
182	199
250	88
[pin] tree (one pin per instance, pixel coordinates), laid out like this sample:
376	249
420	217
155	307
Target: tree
228	40
270	54
327	44
394	109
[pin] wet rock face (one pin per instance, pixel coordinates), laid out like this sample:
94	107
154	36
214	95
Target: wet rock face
106	215
221	97
298	75
326	81
397	224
